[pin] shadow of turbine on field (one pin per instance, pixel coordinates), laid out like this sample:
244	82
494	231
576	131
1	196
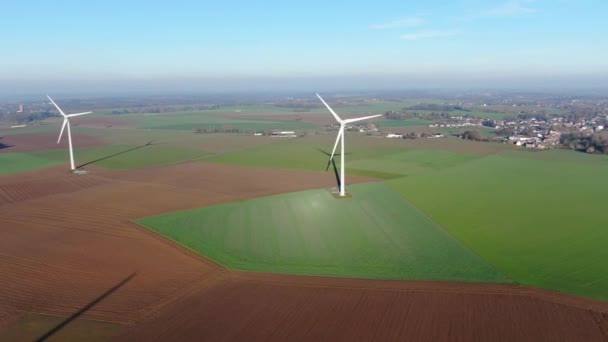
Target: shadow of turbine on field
333	162
3	146
150	143
85	308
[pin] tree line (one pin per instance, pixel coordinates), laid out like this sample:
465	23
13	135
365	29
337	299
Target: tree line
595	143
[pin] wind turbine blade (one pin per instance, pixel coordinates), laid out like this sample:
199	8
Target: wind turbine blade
335	146
330	110
56	106
361	119
78	114
65	121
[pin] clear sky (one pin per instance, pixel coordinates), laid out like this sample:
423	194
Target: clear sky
153	40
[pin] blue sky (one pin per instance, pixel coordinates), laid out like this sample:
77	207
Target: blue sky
103	40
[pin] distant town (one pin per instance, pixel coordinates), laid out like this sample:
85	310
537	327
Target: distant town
532	121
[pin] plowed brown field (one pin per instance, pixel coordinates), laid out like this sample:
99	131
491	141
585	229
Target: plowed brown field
281	308
45	141
66	239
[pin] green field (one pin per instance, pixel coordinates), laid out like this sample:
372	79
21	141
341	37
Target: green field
29	129
537	217
189	121
374	234
111	157
21	162
302	153
410	162
123	156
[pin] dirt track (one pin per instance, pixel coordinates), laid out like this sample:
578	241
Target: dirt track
65	239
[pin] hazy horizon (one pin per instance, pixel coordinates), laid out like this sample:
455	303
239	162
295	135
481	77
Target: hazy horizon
82	48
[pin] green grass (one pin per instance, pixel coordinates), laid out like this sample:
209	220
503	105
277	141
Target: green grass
190	121
403	123
34	326
537	217
123	156
21	162
411	162
29	130
374	234
301	153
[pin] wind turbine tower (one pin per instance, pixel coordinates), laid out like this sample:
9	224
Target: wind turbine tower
66	122
340	138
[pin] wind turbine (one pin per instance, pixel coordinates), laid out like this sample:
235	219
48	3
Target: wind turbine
340	138
66	122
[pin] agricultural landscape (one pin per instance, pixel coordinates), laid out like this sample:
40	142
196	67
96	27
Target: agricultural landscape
195	224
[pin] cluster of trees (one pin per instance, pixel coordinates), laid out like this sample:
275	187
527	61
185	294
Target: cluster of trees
472	135
436	108
489	123
413	135
166	109
528	116
299	106
595	143
394	115
219	130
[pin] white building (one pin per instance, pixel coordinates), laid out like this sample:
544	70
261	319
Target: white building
284	134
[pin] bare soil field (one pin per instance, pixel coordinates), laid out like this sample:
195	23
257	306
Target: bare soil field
256	307
43	182
66	239
46	141
63	245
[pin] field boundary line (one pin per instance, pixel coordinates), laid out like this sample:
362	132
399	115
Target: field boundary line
509	289
208	281
181	248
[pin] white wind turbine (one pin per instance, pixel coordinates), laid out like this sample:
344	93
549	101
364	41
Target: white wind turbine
66	122
339	138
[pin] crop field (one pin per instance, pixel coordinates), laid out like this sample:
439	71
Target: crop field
28	130
375	234
190	121
373	157
112	157
496	227
307	154
537	217
272	307
125	156
21	162
411	162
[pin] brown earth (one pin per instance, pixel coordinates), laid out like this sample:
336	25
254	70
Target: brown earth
46	141
253	307
65	239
